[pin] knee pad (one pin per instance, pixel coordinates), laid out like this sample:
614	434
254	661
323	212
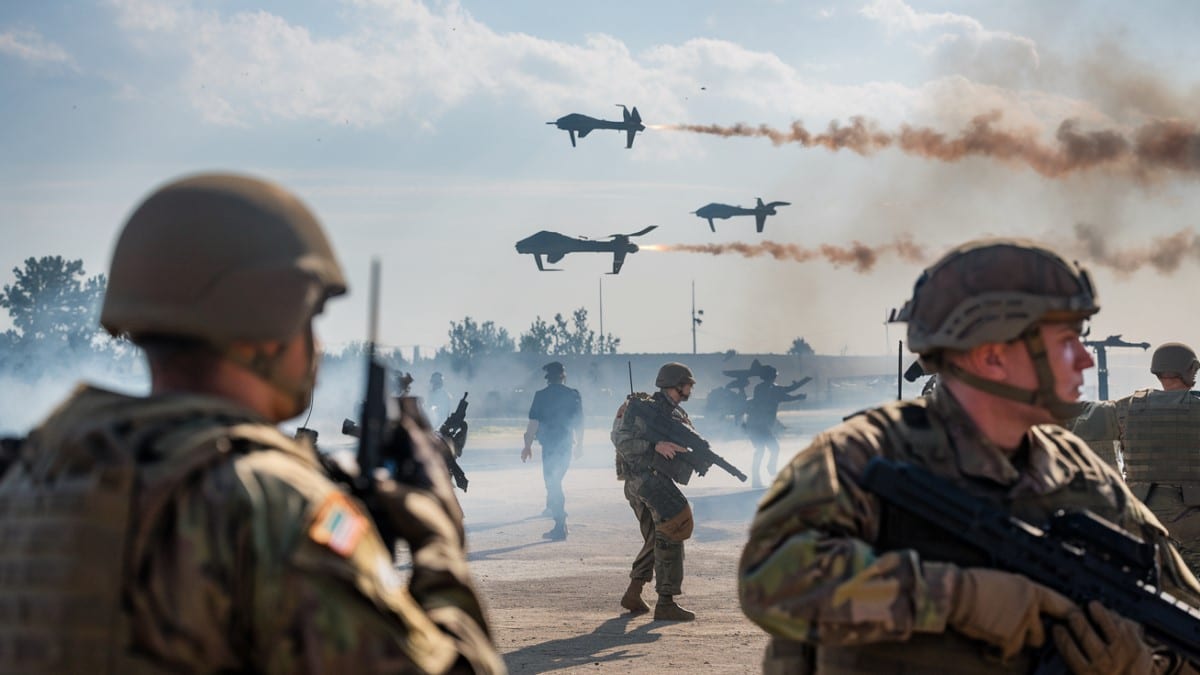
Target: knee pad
679	527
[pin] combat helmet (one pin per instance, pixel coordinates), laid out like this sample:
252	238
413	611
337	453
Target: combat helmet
219	258
1175	358
673	375
996	290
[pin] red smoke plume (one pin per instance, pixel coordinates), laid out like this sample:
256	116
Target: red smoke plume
1159	145
858	255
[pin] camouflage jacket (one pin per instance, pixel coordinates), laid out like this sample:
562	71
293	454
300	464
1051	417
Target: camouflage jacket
203	540
628	434
816	570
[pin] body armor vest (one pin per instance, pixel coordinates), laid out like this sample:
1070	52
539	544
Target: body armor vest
1162	437
915	436
73	512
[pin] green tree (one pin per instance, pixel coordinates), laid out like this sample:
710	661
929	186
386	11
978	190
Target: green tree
470	341
800	347
565	338
53	303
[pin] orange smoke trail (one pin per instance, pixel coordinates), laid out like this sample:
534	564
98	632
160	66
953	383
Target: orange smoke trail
1171	145
1163	254
861	257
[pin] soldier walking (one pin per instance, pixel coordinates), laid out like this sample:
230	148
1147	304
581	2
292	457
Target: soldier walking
762	416
556	421
193	535
656	499
845	584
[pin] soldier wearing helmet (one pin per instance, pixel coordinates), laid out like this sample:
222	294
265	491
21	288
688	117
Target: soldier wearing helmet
663	513
199	537
556	421
847	585
1158	433
761	418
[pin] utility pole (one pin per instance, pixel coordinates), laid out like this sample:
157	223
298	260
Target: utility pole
696	320
601	281
1102	347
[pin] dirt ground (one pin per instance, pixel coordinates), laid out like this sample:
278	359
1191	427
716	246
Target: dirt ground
554	605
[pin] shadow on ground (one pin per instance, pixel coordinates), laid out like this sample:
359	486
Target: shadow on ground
580	650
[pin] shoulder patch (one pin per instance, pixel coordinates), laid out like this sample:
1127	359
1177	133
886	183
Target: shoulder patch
339	525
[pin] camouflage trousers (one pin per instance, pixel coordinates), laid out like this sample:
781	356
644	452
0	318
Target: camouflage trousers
643	562
1181	520
661	497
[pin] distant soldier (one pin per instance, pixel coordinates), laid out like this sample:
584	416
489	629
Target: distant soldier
655	496
762	416
846	582
438	402
1160	444
556	421
182	532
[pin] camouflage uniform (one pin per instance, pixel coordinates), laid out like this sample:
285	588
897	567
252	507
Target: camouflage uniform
826	564
181	533
1160	444
1097	426
649	491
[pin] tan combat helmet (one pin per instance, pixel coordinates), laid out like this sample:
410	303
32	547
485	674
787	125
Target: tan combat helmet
1175	359
673	375
996	290
218	258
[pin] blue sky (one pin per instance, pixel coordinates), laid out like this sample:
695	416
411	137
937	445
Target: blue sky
417	133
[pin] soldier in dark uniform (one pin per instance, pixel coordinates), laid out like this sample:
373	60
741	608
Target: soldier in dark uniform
655	498
556	421
761	418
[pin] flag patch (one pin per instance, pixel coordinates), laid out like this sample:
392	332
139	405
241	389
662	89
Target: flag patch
338	525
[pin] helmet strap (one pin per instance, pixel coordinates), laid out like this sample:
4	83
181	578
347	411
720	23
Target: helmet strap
1044	396
266	365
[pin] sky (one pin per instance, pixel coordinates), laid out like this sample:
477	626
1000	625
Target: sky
417	133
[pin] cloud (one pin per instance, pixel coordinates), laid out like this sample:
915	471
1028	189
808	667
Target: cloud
963	44
29	46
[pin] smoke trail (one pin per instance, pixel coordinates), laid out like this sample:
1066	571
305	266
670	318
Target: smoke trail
1164	254
1171	145
861	257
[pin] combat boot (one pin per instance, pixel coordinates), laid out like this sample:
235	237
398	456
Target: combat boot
559	533
667	610
632	600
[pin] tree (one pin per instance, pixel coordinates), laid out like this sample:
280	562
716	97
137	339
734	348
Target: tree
563	338
54	303
470	340
800	347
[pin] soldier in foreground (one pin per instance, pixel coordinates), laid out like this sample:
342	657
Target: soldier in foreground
848	583
190	534
762	416
654	496
556	421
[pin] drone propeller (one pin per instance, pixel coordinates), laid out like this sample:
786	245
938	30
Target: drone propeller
634	234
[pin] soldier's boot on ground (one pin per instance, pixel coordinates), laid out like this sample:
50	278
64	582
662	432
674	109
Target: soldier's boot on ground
559	533
667	610
632	600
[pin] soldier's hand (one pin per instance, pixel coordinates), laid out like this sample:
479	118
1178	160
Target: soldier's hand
668	449
526	453
1109	644
1003	609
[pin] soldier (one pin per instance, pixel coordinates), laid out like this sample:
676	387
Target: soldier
1159	433
556	421
845	585
438	403
653	493
762	418
182	532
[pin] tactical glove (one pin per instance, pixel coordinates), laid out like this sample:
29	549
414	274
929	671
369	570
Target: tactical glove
1109	644
1004	609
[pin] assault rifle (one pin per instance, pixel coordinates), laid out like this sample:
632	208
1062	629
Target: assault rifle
455	429
660	426
1078	554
